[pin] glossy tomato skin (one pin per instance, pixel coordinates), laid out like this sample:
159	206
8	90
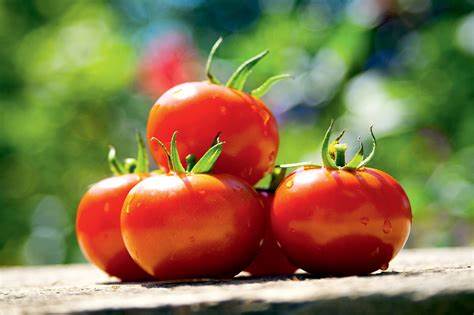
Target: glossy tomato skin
98	227
199	110
336	222
193	226
270	260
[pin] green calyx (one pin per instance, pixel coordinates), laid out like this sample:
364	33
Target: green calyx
333	154
201	166
279	173
239	77
138	165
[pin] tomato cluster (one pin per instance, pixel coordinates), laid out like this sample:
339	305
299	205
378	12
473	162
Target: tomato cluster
201	217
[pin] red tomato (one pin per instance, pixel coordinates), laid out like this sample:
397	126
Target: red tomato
340	222
341	219
98	227
199	110
192	225
270	259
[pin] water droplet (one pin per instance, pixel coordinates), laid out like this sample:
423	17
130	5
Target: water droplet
289	184
192	239
292	230
384	266
202	192
261	242
387	227
223	110
364	220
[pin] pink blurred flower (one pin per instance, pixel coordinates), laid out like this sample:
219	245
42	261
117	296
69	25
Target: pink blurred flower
169	60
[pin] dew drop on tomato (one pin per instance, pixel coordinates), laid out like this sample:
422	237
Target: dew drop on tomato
364	220
387	226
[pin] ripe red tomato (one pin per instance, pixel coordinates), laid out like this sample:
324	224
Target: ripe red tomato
187	224
199	110
98	219
192	226
270	260
98	227
341	220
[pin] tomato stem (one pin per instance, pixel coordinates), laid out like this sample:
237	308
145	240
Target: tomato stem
340	154
129	165
190	162
278	175
333	154
203	165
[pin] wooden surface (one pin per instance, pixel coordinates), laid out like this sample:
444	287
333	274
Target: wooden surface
422	281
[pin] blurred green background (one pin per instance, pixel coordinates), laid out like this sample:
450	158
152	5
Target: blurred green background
76	76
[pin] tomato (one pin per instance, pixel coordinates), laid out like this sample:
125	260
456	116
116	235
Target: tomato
98	227
98	222
270	259
187	224
199	110
341	219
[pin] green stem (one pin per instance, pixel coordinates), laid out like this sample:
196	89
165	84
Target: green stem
278	175
340	154
190	162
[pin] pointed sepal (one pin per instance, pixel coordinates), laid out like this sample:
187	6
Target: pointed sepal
207	161
239	77
165	150
142	164
372	152
115	166
325	154
214	48
265	87
357	159
176	164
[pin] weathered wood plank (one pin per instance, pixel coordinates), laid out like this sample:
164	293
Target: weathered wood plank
418	281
